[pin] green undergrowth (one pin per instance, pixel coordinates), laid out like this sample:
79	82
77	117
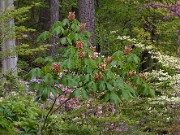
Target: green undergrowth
20	114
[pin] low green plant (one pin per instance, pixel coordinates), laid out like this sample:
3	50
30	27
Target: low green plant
19	114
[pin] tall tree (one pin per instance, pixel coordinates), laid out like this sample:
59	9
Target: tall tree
86	14
9	58
54	17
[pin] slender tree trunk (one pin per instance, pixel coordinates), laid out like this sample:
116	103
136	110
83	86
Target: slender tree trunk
86	15
54	15
44	16
9	57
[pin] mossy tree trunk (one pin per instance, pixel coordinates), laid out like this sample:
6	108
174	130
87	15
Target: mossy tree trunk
7	40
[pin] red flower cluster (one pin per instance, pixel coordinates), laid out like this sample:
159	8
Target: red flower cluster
82	26
132	73
71	16
55	67
92	57
98	76
79	45
109	59
143	76
127	50
82	54
102	66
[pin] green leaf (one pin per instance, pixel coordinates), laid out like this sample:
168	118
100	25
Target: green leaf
65	22
46	69
138	80
48	79
152	92
72	82
136	59
87	78
110	75
34	86
34	73
127	92
44	36
106	96
74	27
77	93
117	55
48	59
69	41
89	69
130	58
84	94
91	63
87	34
109	86
94	87
45	94
113	63
102	85
77	37
39	60
40	90
63	41
69	64
58	30
57	24
54	92
119	83
114	98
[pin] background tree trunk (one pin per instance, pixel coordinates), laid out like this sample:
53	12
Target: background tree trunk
54	15
86	14
44	17
9	57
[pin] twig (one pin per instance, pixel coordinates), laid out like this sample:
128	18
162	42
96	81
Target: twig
48	115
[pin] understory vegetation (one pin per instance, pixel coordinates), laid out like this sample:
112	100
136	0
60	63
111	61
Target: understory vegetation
126	83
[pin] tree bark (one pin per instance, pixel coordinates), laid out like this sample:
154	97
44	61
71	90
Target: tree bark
86	15
44	17
9	57
146	61
54	14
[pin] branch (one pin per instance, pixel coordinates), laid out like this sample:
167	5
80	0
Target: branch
48	114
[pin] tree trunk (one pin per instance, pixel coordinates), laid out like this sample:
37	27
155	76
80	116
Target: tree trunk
86	15
146	61
9	58
54	14
44	16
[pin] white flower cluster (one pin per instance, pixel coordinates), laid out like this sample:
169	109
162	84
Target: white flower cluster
124	38
135	42
161	76
113	32
163	99
165	60
1	99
